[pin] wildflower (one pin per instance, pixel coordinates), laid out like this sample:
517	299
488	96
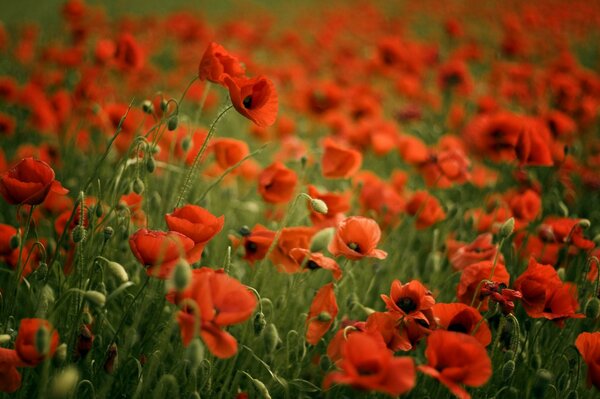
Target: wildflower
426	208
321	315
159	251
276	183
455	359
339	161
462	318
357	237
588	345
469	287
28	182
254	98
217	63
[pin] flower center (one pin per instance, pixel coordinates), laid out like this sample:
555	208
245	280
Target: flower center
457	327
354	246
312	265
251	247
247	102
406	304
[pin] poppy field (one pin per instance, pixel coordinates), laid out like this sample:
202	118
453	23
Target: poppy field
300	200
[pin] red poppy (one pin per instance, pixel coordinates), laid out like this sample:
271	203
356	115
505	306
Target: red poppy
337	205
7	233
525	207
315	260
257	243
411	299
133	202
469	288
220	301
426	208
339	161
482	248
10	378
128	53
321	315
455	359
229	152
26	342
217	63
289	239
254	98
588	345
462	318
357	237
196	223
566	230
276	183
367	364
159	251
28	182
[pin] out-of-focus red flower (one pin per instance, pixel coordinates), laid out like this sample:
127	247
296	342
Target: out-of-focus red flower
276	183
254	98
256	243
26	346
357	237
7	232
159	251
217	63
129	55
337	205
228	151
565	230
321	315
367	364
588	345
28	182
462	255
339	161
456	359
469	288
426	208
462	318
315	260
196	223
289	239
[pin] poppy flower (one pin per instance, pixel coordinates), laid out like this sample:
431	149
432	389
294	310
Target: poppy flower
321	315
26	343
28	182
10	378
426	208
289	239
337	205
159	251
339	161
568	231
229	152
128	54
220	301
357	237
410	299
276	183
7	233
482	248
315	260
256	243
456	359
216	63
367	364
254	98
469	289
462	318
196	223
588	345
525	207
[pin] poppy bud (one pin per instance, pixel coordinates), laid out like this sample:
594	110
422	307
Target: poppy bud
112	359
138	186
181	276
271	337
261	388
15	241
61	353
108	233
118	270
147	107
42	270
319	206
172	123
592	308
98	210
561	273
87	316
584	223
150	165
195	352
185	143
64	383
321	240
508	370
4	339
78	234
97	298
244	231
507	228
155	200
543	379
259	323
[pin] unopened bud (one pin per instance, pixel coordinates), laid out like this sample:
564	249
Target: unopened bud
78	234
259	323
61	353
4	339
561	273
181	275
95	297
592	308
15	241
244	231
507	228
98	210
118	270
271	337
172	123
65	382
195	352
186	143
508	370
150	165
321	240
138	186
108	233
543	378
319	206
261	388
147	107
584	223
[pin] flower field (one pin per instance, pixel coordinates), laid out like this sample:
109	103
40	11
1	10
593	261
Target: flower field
300	200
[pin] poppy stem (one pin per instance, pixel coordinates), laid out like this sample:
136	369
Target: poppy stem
188	178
